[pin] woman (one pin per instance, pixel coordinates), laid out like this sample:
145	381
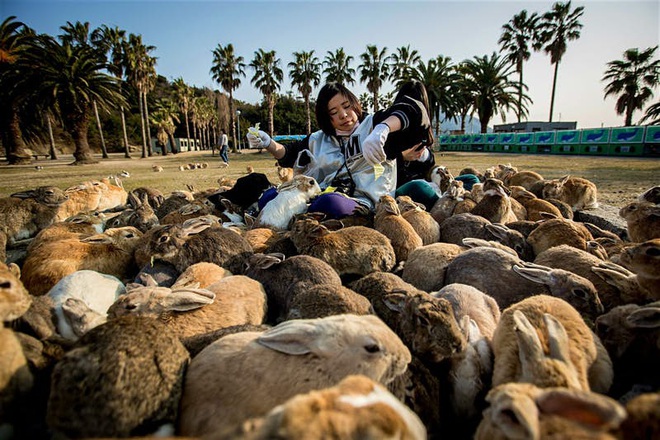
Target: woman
347	156
413	150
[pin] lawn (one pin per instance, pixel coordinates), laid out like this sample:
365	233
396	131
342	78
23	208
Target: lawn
619	180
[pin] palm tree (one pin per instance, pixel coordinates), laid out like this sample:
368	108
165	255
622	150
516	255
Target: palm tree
633	79
72	78
558	27
521	32
440	80
374	70
404	61
140	69
14	42
338	67
226	70
164	118
184	95
491	91
652	115
305	74
78	34
113	40
267	78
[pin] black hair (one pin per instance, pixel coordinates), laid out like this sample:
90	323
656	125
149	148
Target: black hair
415	89
327	92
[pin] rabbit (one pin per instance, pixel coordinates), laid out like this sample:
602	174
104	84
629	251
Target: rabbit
389	222
291	199
424	224
353	250
122	378
495	205
246	374
196	240
579	193
643	220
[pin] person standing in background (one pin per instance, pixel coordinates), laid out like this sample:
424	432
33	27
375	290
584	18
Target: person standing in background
224	147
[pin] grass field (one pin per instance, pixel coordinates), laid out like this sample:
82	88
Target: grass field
619	180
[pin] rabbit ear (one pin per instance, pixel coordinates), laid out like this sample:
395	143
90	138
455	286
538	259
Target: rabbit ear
498	230
557	338
195	226
97	239
645	317
537	274
293	337
333	224
261	261
183	300
612	277
516	417
25	194
395	301
529	344
581	406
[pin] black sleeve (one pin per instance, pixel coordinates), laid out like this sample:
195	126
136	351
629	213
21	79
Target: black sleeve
292	151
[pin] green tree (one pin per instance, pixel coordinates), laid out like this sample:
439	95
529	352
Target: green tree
305	74
338	67
632	79
268	76
15	40
72	78
184	95
491	91
113	40
518	35
141	72
558	27
652	115
226	70
374	70
403	63
164	117
440	80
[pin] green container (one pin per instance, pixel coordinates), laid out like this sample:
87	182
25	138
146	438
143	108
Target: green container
595	136
545	137
478	138
565	149
625	150
567	137
493	148
627	135
490	139
523	138
526	149
505	138
594	150
508	149
444	139
652	134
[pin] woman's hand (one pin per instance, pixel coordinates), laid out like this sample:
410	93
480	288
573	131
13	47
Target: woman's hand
412	153
261	141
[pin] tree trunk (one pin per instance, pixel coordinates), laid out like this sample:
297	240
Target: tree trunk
144	135
187	127
271	111
53	153
520	93
308	113
172	143
83	154
146	120
104	151
232	121
554	85
375	101
17	152
127	152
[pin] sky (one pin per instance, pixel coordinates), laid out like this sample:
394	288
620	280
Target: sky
185	33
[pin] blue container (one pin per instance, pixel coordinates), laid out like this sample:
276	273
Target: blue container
627	135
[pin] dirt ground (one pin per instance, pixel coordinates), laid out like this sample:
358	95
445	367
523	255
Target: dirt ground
619	180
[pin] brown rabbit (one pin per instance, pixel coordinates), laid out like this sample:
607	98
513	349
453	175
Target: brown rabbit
389	222
643	219
579	193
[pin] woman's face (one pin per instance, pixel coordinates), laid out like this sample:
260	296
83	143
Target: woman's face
341	113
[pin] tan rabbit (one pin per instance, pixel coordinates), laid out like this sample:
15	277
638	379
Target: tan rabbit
389	222
643	220
579	193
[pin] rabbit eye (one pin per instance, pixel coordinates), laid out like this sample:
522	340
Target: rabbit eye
163	239
130	307
653	252
5	285
372	348
580	293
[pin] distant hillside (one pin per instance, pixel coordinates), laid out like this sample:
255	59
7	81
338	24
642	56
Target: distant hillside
471	126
